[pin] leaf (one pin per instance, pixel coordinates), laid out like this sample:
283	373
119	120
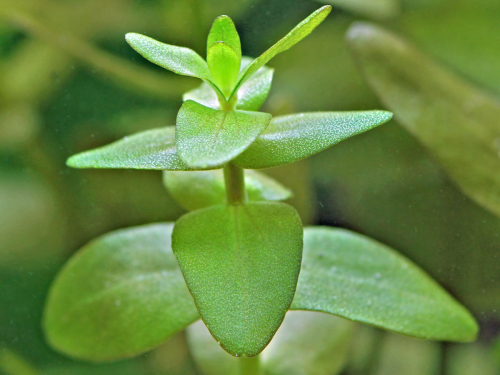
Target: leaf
207	138
456	121
306	343
223	30
224	65
119	296
251	95
294	137
152	149
377	9
241	265
195	190
298	33
346	274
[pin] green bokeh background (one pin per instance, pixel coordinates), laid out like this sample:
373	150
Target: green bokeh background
68	82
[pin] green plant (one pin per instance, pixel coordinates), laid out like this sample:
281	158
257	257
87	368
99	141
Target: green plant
239	251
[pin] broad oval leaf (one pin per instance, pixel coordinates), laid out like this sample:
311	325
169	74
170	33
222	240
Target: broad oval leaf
195	190
224	65
377	9
319	344
294	137
346	274
298	33
251	95
207	138
455	120
241	265
151	149
223	30
119	296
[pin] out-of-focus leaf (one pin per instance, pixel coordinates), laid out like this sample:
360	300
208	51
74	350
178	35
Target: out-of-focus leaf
298	33
152	149
207	137
13	364
352	276
224	65
456	121
290	138
241	265
251	95
120	295
195	190
306	343
472	359
378	9
223	30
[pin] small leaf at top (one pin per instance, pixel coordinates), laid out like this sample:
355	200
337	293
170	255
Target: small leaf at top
298	33
224	65
223	30
195	190
346	274
119	296
241	265
151	149
207	138
294	137
251	95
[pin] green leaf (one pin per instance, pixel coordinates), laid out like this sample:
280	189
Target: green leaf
241	265
456	121
223	30
298	33
377	9
119	296
306	343
294	137
224	65
152	149
195	190
251	95
346	274
206	137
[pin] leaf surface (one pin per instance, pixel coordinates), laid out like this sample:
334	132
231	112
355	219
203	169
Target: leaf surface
151	149
346	274
223	30
195	190
294	137
207	138
119	296
456	121
224	65
241	265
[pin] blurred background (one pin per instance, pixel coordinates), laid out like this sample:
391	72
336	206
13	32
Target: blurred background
69	82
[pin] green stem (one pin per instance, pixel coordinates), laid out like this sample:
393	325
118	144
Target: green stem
235	184
250	366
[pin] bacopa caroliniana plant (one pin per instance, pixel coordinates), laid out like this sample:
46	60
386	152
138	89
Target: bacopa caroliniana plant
245	258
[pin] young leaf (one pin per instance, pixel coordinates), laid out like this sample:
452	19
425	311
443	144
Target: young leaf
251	95
119	296
294	137
223	30
241	265
300	31
195	190
206	137
224	65
152	149
455	120
352	276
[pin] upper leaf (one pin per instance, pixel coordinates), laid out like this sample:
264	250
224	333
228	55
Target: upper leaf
352	276
195	190
298	33
251	95
223	30
206	137
119	296
290	138
241	265
224	64
152	149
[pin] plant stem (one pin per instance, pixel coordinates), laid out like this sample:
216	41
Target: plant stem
235	184
250	366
